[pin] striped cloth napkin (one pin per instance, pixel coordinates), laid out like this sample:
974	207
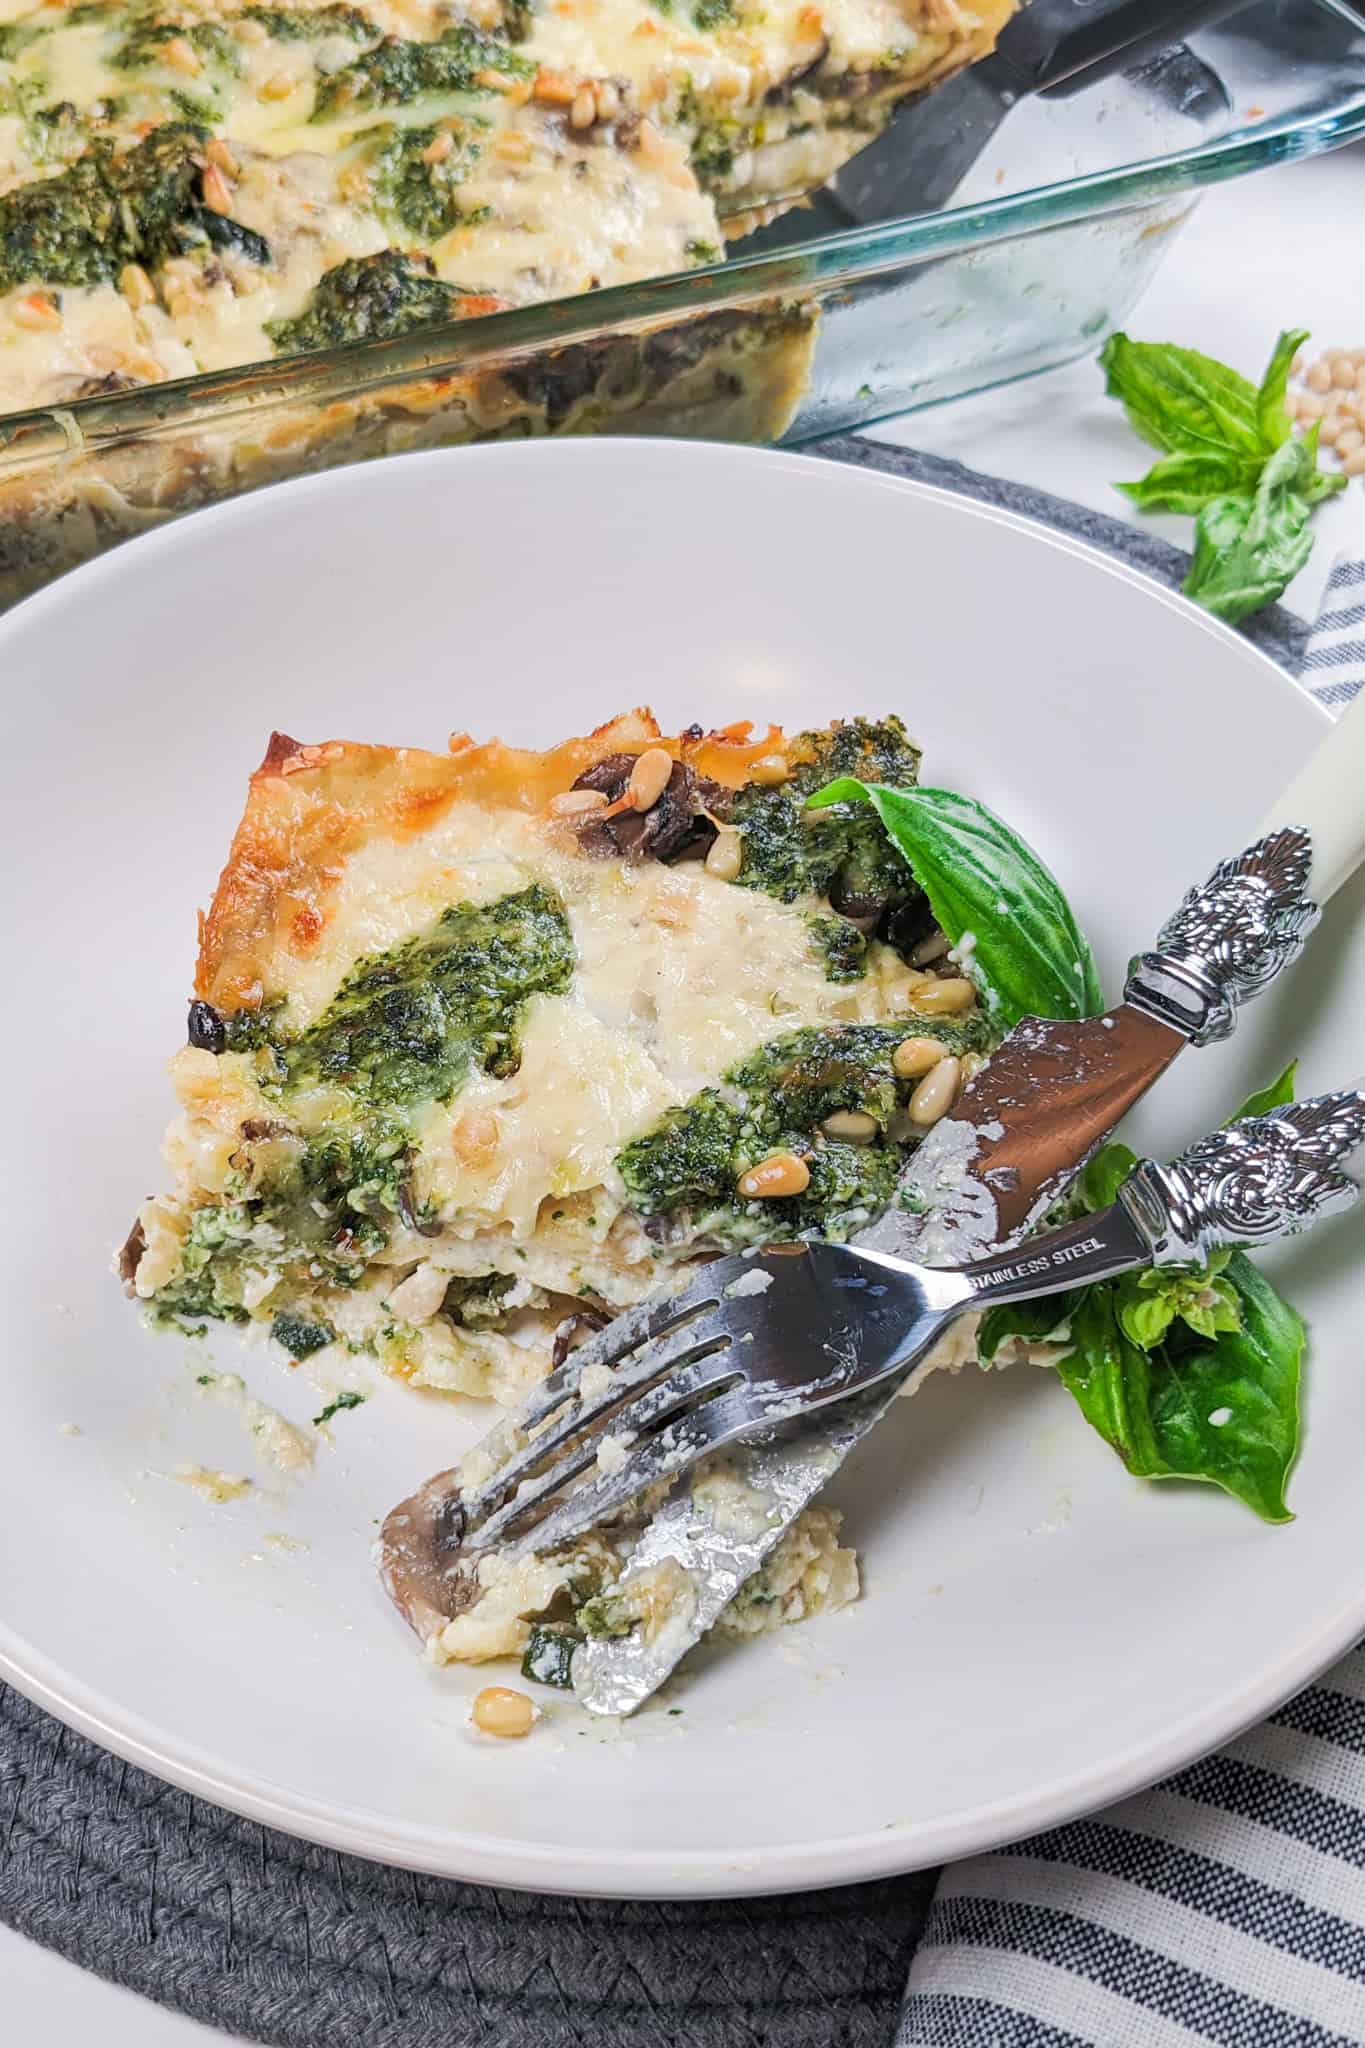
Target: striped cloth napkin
1226	1905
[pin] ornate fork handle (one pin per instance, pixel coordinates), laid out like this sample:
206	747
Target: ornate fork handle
1262	1178
1266	1177
1229	939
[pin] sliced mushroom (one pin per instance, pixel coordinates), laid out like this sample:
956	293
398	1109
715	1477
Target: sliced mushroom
674	825
424	1572
130	1256
575	1330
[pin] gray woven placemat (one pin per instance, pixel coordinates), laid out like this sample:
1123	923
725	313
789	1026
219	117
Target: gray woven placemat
292	1945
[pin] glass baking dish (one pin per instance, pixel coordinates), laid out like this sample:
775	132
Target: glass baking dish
1042	252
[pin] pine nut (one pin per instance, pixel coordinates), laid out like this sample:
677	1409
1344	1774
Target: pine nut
278	86
554	88
1319	378
782	1173
934	1096
136	286
438	149
182	56
501	1710
248	31
577	803
583	112
1330	428
854	1126
37	312
914	1057
900	994
1354	465
1348	441
513	148
726	854
769	770
1344	374
474	1134
217	191
1311	406
943	998
649	777
608	102
930	949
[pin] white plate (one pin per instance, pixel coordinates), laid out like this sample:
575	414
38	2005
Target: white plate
1039	1633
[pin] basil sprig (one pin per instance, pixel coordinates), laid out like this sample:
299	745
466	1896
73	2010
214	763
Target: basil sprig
1230	459
1187	1376
991	894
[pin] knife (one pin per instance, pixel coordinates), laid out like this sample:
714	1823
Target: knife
1026	1124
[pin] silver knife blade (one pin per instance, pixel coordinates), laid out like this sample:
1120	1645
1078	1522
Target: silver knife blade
1050	1093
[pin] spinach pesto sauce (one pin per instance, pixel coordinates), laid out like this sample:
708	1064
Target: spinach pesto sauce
404	1029
684	1170
843	852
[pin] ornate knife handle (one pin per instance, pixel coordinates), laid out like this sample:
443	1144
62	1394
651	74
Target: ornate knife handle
1266	1177
1229	939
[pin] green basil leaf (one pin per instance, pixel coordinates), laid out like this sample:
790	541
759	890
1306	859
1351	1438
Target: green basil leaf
1280	1091
1037	1321
1271	410
1186	482
1027	952
1247	549
1224	1411
1182	401
1105	1175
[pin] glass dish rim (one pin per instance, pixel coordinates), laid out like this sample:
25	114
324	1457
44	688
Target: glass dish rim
355	369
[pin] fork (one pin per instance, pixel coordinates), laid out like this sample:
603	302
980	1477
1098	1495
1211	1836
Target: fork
768	1336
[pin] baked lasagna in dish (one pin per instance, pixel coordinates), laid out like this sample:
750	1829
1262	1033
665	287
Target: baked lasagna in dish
187	187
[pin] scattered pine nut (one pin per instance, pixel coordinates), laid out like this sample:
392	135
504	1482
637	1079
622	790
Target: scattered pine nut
936	1092
726	854
649	777
781	1174
854	1126
439	149
501	1710
583	112
577	803
136	286
769	770
278	86
914	1057
944	998
182	56
930	949
37	312
217	191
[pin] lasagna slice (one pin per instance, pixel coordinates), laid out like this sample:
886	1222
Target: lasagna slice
487	1045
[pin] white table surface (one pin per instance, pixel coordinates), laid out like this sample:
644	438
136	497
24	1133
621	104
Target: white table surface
1274	251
